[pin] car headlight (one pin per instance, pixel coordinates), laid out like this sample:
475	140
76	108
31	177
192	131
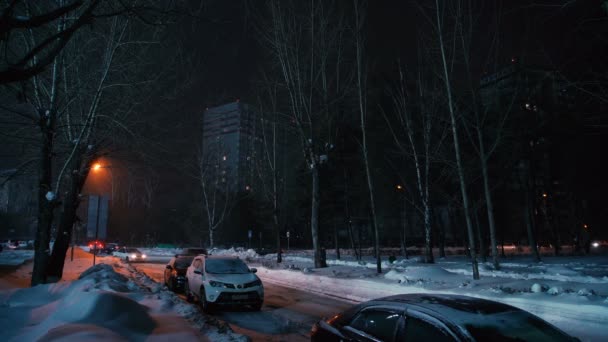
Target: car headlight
216	284
596	244
134	256
143	256
256	282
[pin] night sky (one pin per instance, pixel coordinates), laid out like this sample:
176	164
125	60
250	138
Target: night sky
222	57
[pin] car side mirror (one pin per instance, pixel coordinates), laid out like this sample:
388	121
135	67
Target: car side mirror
198	272
253	270
169	267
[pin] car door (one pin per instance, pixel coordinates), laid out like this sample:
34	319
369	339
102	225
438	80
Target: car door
376	323
421	326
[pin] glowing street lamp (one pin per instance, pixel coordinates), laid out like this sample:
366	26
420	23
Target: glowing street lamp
97	166
399	187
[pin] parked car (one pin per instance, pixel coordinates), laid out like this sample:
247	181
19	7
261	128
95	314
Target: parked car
417	317
175	272
96	246
221	281
110	248
129	254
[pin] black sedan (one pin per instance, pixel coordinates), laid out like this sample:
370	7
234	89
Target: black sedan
436	318
175	272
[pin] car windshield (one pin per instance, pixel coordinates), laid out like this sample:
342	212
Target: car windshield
513	326
132	250
183	262
226	266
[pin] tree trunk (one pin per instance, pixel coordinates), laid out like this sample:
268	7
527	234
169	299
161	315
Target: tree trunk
404	231
530	226
351	237
66	220
275	216
442	229
463	189
45	205
336	241
489	203
348	220
362	94
279	247
211	240
314	218
482	243
428	255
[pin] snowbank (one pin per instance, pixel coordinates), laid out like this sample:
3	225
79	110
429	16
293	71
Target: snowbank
106	302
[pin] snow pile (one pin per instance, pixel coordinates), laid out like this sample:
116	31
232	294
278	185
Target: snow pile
105	303
246	254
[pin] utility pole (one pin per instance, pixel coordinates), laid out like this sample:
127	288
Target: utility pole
96	231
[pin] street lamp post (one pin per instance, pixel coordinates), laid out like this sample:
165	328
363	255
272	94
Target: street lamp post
96	167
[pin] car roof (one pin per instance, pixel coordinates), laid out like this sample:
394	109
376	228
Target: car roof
439	302
220	257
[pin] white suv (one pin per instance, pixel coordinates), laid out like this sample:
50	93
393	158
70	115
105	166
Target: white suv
223	280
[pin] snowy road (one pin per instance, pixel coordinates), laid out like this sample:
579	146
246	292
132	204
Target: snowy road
287	314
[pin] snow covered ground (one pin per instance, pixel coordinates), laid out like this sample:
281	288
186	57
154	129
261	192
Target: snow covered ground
570	292
109	301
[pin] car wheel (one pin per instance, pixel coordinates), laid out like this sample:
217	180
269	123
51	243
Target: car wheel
189	297
205	305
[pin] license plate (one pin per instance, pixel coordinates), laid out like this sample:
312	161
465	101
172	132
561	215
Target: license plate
237	297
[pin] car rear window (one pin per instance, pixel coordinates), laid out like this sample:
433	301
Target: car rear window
513	326
226	266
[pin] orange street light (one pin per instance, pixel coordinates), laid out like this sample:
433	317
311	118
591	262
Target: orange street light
97	166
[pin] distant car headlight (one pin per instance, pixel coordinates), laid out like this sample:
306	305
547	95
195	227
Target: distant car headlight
596	244
216	284
134	256
143	256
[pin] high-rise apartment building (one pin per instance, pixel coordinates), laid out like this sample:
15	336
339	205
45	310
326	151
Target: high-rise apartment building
230	141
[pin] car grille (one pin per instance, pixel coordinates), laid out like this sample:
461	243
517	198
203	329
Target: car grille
239	297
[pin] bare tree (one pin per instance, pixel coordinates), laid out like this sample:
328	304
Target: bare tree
299	36
216	191
417	117
440	16
361	88
269	163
